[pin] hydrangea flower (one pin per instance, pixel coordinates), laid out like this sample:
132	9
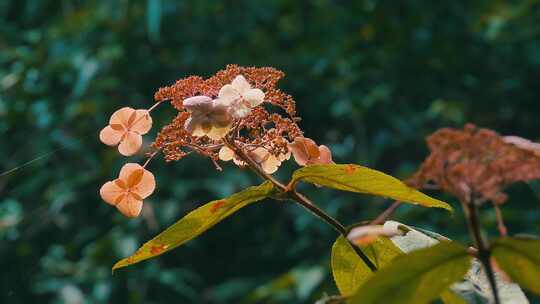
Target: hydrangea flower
126	128
208	117
306	152
268	162
128	191
240	97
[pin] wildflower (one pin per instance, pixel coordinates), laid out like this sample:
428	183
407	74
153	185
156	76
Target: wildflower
128	191
306	152
240	96
208	117
175	142
268	162
126	127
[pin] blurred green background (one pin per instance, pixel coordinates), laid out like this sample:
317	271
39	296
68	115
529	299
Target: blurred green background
371	78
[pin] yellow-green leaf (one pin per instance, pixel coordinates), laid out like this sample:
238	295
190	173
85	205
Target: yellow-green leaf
520	259
418	277
349	271
195	223
449	297
360	179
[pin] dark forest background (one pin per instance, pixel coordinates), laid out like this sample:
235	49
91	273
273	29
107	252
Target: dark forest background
371	78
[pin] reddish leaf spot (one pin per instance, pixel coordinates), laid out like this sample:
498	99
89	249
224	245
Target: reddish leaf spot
216	206
350	169
156	249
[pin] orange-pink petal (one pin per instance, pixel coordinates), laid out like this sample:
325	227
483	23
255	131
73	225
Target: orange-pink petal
127	170
130	144
121	116
129	206
110	136
325	155
110	191
304	150
142	123
146	186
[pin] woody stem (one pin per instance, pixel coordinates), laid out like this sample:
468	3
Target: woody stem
299	198
471	213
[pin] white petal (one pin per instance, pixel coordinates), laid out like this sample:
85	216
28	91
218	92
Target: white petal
228	94
240	84
218	133
259	155
271	164
226	153
254	96
198	104
240	111
198	130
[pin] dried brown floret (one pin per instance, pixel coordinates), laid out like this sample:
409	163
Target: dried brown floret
262	127
475	161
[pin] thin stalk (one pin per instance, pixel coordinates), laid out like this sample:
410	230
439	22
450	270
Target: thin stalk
385	214
299	198
471	213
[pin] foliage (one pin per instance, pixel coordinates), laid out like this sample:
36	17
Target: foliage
360	179
419	277
520	260
349	271
197	222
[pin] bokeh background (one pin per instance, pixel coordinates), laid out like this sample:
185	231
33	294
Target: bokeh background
372	78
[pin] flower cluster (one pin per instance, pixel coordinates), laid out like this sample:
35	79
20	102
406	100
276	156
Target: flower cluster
238	109
477	162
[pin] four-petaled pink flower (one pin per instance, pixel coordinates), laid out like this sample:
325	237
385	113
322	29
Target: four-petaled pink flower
208	117
306	152
128	191
240	97
126	127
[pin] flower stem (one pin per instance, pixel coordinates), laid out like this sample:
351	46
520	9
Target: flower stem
299	198
471	213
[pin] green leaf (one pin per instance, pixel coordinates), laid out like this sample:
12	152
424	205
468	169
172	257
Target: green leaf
418	277
196	222
520	259
349	271
449	297
360	179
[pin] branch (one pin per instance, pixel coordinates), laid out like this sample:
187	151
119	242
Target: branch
298	198
471	214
